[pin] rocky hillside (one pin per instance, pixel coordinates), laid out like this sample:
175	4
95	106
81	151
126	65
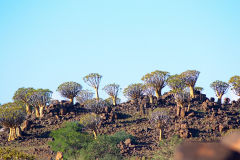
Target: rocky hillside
202	119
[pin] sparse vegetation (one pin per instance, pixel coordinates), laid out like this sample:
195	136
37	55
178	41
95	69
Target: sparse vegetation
12	154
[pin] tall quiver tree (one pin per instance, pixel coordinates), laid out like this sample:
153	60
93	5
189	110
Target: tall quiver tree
112	90
83	96
190	78
156	79
40	98
220	89
133	91
69	90
149	91
24	96
11	116
93	80
235	84
178	85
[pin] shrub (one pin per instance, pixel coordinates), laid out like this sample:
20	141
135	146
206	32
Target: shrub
167	149
101	148
70	139
105	147
11	154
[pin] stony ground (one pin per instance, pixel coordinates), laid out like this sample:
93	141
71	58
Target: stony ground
206	121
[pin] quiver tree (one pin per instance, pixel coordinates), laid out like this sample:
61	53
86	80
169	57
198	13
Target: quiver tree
112	90
95	105
133	91
149	91
178	85
235	83
180	98
159	118
91	121
11	116
156	79
93	80
83	96
200	89
23	95
40	98
69	90
190	78
109	100
220	89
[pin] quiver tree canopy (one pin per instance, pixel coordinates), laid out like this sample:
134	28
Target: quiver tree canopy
200	89
112	90
235	83
149	91
93	80
176	83
24	96
91	121
95	105
83	96
156	79
11	116
69	90
133	91
40	98
220	88
190	78
159	118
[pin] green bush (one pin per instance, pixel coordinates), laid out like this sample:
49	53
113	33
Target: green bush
167	148
70	140
105	147
12	154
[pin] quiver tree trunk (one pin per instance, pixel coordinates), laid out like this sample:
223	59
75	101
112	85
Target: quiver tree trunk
178	110
37	112
158	93
192	92
189	105
97	95
28	109
150	99
95	133
159	125
142	110
41	109
71	100
114	100
12	134
18	132
219	99
182	114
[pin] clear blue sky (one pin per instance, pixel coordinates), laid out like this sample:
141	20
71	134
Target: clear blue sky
46	42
